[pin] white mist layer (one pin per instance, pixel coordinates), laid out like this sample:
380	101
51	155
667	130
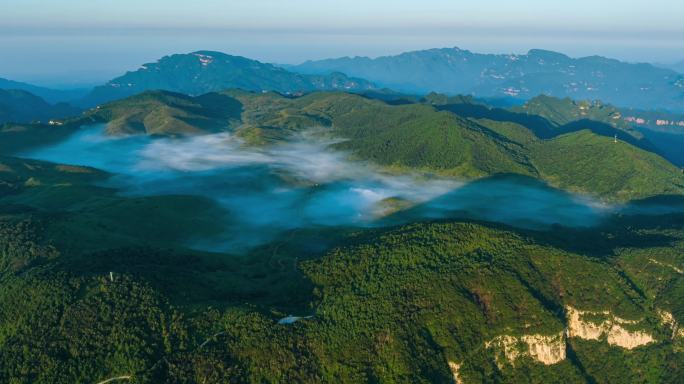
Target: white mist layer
302	183
305	158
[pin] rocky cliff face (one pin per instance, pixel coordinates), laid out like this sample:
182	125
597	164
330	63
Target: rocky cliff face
587	325
545	349
611	327
668	320
455	371
628	339
584	329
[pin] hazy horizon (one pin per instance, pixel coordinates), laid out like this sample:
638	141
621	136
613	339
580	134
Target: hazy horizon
80	42
74	78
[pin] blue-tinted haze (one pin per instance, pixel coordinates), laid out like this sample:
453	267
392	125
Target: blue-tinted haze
303	184
89	41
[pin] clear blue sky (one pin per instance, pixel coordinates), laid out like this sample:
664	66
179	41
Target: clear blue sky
69	41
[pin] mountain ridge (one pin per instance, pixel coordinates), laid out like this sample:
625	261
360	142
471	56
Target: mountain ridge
409	137
204	71
48	94
458	71
20	106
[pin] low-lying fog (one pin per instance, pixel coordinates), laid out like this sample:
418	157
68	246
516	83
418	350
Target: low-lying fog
303	184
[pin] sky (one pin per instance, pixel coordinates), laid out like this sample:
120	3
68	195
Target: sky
85	42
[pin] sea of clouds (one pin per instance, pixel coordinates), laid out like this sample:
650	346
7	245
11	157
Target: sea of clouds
302	183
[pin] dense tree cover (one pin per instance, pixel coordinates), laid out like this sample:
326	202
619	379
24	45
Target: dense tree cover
462	138
95	285
620	170
22	107
388	305
565	111
53	96
20	248
14	137
166	113
471	141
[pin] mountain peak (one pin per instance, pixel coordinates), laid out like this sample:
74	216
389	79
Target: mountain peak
206	71
218	55
521	76
546	54
209	53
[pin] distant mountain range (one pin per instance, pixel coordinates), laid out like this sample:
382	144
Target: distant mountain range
48	94
457	71
21	106
507	78
679	67
501	80
205	71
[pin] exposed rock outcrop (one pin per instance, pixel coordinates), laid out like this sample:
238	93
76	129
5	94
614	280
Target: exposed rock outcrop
587	325
611	327
666	265
585	329
668	320
628	339
545	349
455	371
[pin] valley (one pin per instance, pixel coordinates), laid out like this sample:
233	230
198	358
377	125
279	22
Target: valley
186	226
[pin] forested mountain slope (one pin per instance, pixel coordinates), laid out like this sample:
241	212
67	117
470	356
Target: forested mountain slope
461	140
206	71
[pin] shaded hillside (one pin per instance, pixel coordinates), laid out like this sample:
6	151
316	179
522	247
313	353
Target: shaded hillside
670	144
18	175
89	217
205	71
15	138
585	162
50	95
19	106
